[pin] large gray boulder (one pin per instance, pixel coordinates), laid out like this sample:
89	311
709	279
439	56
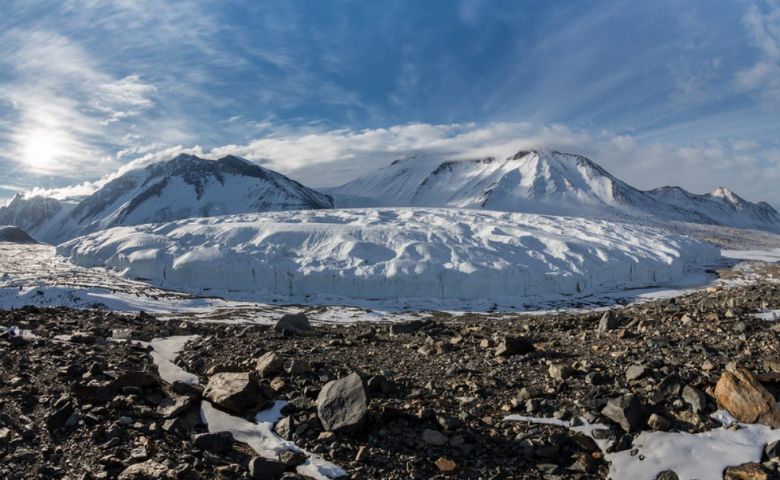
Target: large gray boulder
627	411
342	404
234	392
295	323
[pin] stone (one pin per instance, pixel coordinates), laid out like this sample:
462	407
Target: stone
218	443
512	345
772	452
59	418
560	372
746	399
609	321
342	404
285	427
668	390
695	398
667	475
626	411
657	422
446	465
269	365
189	389
635	372
170	407
295	323
746	471
264	469
235	392
148	470
434	437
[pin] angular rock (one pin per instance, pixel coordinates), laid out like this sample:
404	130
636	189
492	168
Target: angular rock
59	418
626	411
342	404
635	372
512	345
264	469
235	392
746	399
295	323
609	321
149	470
746	471
270	364
219	443
560	372
170	407
433	437
695	398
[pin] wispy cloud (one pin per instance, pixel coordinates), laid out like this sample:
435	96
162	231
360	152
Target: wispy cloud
763	25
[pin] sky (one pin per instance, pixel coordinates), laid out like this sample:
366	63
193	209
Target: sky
669	92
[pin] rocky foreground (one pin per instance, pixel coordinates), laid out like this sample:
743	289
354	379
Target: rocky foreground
424	399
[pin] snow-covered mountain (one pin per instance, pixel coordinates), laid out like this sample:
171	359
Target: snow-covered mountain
546	182
35	214
723	206
184	187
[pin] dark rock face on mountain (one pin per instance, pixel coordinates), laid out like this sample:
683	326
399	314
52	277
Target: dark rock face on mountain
34	214
14	235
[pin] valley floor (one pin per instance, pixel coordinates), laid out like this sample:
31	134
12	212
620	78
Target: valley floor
446	400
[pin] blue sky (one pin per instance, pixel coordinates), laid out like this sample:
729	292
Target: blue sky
663	92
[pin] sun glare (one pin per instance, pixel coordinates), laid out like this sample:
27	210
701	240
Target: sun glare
40	151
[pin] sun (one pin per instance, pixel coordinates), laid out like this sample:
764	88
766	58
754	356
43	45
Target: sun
40	150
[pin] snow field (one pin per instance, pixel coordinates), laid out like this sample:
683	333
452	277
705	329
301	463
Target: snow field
381	254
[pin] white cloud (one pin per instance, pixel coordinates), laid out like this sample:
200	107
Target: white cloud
763	25
123	98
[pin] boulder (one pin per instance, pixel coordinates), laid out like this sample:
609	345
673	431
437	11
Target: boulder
149	470
234	392
342	404
740	393
609	321
270	364
295	323
264	469
511	345
626	411
219	443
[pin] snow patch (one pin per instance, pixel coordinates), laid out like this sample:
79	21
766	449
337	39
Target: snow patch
702	455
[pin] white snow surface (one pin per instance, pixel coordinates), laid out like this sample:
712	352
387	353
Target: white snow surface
394	253
261	437
702	456
164	353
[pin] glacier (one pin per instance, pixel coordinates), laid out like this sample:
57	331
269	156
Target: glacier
385	253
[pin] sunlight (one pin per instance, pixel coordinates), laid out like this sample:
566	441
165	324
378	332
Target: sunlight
40	150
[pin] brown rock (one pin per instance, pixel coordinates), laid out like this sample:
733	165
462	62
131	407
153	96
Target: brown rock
740	393
446	465
747	471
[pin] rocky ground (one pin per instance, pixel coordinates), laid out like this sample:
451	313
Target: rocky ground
423	400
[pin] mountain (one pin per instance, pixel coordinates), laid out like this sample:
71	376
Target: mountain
723	206
186	186
34	214
546	182
530	181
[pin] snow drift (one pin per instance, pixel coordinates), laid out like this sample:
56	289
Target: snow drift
394	253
